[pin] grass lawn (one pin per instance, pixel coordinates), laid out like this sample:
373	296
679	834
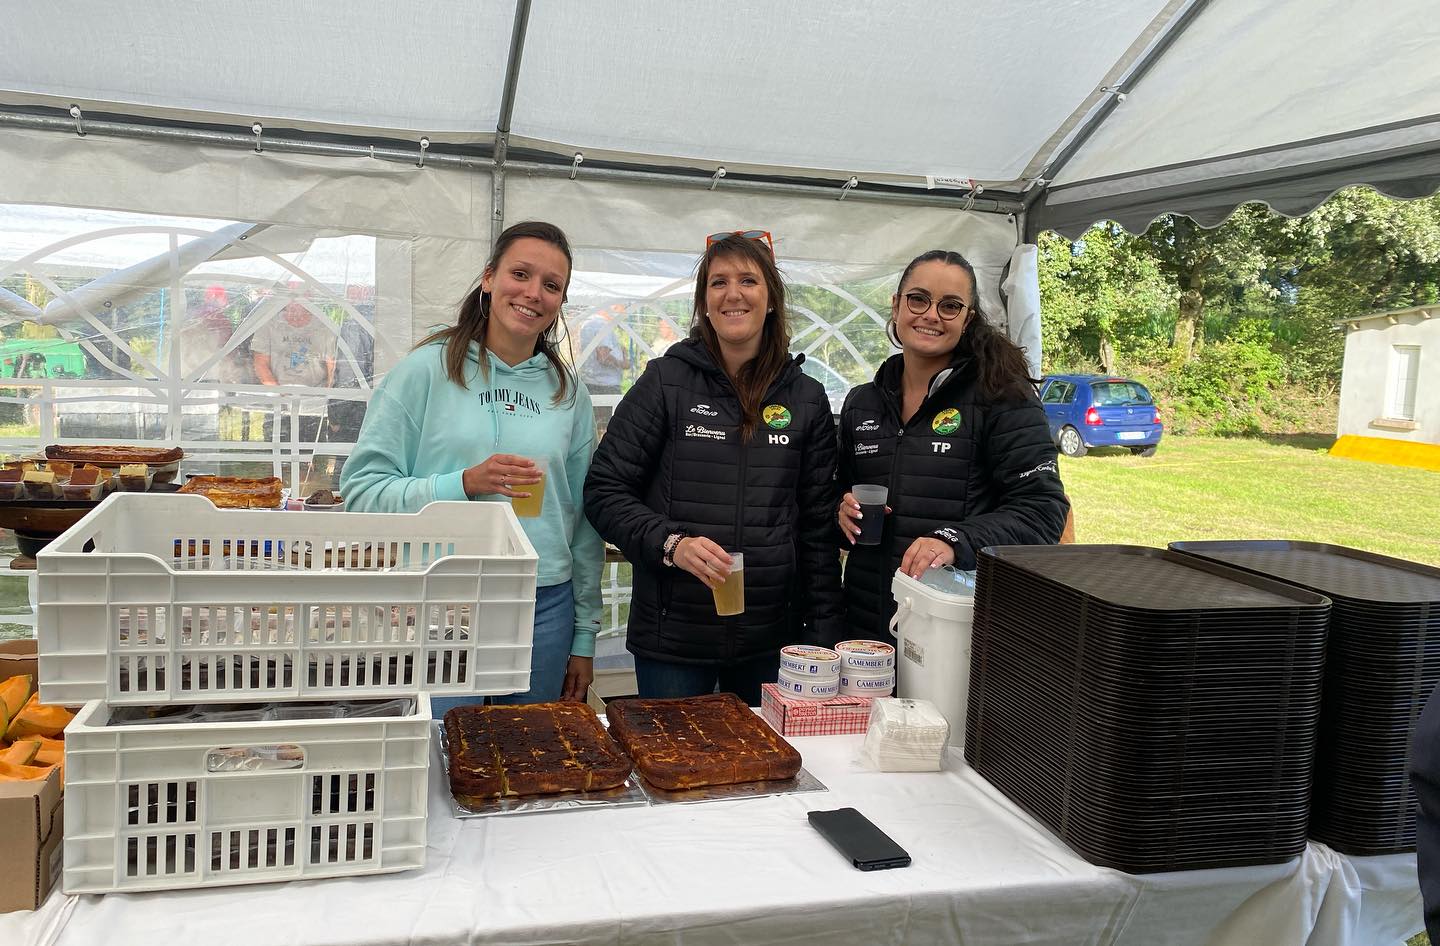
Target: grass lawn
1275	488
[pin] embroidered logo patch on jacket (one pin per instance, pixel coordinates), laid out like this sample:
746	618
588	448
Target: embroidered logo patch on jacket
946	422
777	416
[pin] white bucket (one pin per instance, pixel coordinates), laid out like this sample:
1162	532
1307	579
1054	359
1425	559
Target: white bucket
933	631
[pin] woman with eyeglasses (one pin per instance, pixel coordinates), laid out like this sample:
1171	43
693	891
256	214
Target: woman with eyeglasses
953	428
721	455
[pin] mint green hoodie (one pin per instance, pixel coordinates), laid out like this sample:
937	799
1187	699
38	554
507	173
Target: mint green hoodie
422	431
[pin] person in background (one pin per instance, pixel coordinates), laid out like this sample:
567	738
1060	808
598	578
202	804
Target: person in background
603	369
466	415
952	426
723	445
603	361
295	347
664	337
354	369
204	333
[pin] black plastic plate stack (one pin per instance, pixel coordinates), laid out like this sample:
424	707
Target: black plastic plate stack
1155	711
1382	662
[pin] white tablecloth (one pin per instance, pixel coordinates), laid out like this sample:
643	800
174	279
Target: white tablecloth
754	872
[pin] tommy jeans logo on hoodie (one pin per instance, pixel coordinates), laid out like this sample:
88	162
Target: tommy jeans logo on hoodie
510	400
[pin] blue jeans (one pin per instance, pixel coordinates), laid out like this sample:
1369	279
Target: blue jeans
549	654
660	679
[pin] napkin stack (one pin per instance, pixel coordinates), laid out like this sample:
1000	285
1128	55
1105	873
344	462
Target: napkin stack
905	736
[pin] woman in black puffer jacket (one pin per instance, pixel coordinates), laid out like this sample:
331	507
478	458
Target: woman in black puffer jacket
723	444
953	427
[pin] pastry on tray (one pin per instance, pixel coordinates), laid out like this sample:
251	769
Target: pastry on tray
154	456
61	468
237	492
504	751
701	740
40	484
11	486
87	483
134	477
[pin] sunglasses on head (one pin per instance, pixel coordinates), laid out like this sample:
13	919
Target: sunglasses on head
764	235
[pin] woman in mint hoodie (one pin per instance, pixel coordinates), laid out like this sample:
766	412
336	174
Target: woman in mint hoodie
466	415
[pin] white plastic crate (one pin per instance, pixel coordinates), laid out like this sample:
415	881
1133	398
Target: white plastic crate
165	599
160	807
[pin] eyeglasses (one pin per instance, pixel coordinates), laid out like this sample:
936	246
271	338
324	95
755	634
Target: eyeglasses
714	238
949	308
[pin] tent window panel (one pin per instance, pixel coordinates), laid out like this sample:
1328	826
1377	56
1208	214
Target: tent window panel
1405	377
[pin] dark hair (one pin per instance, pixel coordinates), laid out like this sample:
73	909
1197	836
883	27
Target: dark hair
1003	371
474	316
756	375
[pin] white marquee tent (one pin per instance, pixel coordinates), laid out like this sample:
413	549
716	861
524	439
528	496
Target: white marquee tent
366	152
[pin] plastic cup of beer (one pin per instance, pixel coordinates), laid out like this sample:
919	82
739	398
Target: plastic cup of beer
730	594
872	512
529	507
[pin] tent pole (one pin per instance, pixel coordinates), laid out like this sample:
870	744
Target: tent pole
699	179
678	177
502	128
1118	93
202	137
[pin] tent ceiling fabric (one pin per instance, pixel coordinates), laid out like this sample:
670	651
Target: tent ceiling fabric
423	66
886	88
891	90
1282	102
1248	76
1402	162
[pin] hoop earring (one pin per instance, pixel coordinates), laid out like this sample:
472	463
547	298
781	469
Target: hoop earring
892	333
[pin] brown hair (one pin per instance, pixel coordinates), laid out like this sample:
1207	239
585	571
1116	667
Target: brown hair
756	375
1003	371
474	316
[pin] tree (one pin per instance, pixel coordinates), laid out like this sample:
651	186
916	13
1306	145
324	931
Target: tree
1106	286
1204	264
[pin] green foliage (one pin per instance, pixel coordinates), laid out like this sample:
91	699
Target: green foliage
1266	293
1101	291
1230	387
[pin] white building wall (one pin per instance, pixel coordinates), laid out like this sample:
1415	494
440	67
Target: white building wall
1365	385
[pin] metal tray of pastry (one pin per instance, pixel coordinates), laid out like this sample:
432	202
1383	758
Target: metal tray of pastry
803	781
628	795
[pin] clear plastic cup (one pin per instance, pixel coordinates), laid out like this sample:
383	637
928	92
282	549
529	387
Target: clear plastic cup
872	512
730	595
529	507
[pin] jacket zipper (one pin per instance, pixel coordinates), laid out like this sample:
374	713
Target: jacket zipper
730	642
886	532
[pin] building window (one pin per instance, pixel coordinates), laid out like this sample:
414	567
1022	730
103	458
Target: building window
1404	376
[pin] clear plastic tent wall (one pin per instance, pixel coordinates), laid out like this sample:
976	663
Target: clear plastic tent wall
153	290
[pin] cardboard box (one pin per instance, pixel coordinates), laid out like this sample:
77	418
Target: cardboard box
18	657
31	815
841	715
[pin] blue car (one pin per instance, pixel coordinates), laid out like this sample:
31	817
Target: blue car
1088	410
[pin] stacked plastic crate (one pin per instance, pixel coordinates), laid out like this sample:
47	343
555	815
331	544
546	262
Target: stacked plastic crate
255	683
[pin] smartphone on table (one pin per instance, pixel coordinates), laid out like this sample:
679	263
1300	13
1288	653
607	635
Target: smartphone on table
856	837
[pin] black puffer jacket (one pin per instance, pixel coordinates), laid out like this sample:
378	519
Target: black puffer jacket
968	472
671	461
